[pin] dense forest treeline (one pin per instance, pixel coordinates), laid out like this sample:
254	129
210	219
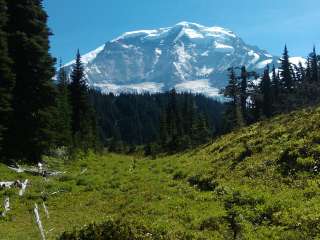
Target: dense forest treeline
162	119
253	97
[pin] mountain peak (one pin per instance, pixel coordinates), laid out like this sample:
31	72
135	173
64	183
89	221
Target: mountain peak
202	28
189	24
188	29
186	56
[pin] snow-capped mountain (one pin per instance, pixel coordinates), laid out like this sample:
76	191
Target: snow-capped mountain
187	56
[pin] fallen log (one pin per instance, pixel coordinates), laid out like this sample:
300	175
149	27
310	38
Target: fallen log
17	183
6	205
38	221
23	187
37	171
59	191
46	210
6	184
16	167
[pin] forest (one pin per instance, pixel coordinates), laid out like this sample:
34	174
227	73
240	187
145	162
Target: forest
156	120
253	97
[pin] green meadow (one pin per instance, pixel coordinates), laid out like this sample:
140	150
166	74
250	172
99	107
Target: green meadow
260	182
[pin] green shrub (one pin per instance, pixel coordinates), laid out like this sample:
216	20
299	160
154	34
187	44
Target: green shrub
287	161
82	181
179	175
65	178
203	182
306	163
242	153
211	223
113	230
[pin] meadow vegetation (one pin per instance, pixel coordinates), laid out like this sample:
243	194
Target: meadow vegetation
260	182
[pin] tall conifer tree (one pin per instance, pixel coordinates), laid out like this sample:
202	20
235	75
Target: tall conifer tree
233	114
79	94
265	87
188	113
275	85
83	118
163	132
31	132
314	65
64	133
286	71
6	76
243	92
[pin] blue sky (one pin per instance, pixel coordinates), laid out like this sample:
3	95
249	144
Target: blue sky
87	24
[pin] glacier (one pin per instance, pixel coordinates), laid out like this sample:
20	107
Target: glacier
187	56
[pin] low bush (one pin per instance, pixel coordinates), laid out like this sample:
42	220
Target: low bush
203	182
113	230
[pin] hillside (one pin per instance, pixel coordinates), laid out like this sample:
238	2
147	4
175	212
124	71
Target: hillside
260	182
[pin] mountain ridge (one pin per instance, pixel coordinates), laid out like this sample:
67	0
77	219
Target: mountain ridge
187	56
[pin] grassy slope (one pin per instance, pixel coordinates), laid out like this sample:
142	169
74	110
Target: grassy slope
258	183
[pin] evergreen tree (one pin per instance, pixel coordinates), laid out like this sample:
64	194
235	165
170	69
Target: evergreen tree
83	119
309	70
201	133
286	72
314	65
233	115
243	92
275	86
231	91
173	121
31	131
6	76
173	116
78	94
163	129
188	113
256	103
265	87
300	73
64	132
